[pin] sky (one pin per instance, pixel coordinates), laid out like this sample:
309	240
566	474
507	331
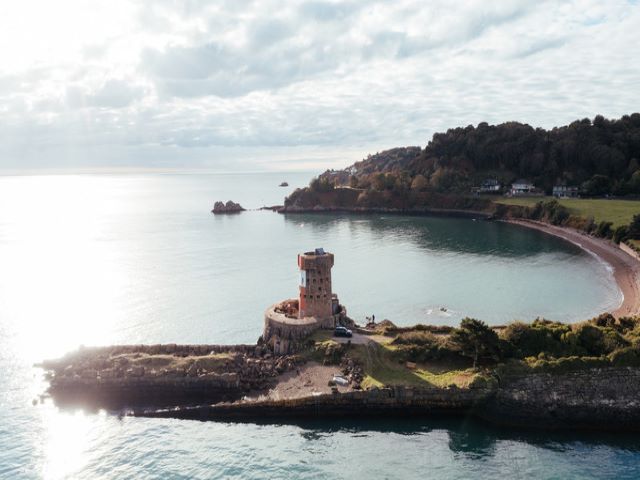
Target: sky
295	85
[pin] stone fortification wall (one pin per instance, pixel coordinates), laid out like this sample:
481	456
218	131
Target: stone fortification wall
282	333
604	398
397	401
597	399
285	335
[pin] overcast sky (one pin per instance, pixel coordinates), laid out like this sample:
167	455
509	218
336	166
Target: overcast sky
259	85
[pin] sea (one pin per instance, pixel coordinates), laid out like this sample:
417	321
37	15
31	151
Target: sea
139	258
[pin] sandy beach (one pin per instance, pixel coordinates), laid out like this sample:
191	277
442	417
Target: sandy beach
626	269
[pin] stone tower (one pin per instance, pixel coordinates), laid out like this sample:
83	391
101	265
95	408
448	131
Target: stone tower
315	284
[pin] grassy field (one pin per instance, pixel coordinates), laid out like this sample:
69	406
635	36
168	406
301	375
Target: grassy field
620	212
381	368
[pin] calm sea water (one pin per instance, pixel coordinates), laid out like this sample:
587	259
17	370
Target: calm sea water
138	258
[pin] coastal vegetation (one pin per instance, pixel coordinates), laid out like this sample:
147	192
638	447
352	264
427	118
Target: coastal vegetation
617	211
424	355
599	158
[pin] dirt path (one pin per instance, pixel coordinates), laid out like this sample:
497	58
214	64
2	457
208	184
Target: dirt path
308	380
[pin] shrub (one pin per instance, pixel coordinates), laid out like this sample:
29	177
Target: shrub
568	364
598	341
540	336
620	234
625	357
421	338
603	230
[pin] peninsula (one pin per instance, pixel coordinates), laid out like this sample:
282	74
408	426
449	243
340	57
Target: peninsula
544	374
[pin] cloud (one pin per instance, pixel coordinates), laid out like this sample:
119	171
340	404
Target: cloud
193	77
114	94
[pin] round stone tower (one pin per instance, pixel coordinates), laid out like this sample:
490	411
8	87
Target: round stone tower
315	284
290	322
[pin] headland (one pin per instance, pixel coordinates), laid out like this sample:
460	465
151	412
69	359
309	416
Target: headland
544	374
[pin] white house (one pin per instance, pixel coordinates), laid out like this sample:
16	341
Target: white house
522	187
563	191
490	185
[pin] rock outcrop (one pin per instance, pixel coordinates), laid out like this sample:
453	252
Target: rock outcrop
163	375
229	207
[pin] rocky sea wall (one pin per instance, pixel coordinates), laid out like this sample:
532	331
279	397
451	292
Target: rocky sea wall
595	399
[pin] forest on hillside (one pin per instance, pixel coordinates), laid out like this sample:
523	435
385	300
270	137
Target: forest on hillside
601	156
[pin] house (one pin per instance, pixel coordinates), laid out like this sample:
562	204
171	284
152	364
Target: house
490	185
563	191
523	187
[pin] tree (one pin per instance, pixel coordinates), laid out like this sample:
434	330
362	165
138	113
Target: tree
321	185
419	183
476	340
598	185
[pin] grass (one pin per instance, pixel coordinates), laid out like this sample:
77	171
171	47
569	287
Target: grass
211	362
381	368
620	212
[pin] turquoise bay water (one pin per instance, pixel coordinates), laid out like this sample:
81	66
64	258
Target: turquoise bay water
138	258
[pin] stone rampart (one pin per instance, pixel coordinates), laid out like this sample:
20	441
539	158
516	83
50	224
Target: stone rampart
595	399
283	334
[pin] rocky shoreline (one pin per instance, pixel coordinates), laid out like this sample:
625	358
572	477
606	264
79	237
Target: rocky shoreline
232	383
594	399
421	211
129	376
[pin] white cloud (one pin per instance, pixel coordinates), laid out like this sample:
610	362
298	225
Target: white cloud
197	80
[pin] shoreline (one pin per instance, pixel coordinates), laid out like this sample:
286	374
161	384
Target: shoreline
626	269
415	212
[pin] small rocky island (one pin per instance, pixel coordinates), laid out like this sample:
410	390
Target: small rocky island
229	207
544	374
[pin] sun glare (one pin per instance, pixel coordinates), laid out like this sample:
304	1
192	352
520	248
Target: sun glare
61	288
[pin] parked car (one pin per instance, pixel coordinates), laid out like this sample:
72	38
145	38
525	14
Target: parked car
342	332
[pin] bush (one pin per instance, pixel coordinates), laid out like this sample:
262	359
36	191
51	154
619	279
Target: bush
421	338
604	230
598	341
541	336
625	357
633	230
568	364
620	234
